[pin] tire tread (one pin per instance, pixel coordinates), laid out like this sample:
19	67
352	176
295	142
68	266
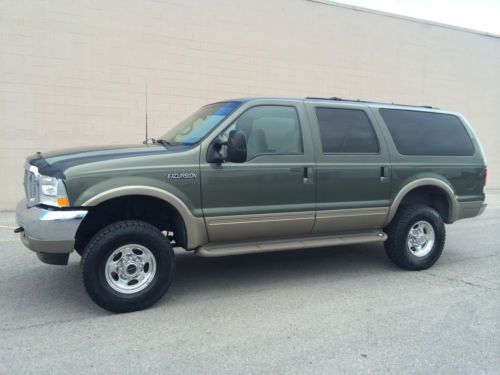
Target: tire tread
90	258
395	246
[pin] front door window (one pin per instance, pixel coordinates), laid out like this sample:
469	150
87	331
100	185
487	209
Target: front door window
269	130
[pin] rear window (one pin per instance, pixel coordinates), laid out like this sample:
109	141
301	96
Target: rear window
427	133
346	131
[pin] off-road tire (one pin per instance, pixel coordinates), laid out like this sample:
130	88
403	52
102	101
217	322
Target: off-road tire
102	245
396	246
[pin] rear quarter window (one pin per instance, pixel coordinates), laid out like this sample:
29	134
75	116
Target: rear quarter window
427	133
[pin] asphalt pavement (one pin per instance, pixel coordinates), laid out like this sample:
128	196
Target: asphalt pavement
322	311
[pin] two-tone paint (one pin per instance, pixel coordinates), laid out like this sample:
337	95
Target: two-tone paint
273	196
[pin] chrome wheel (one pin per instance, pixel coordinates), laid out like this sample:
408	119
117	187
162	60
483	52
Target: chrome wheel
421	238
130	268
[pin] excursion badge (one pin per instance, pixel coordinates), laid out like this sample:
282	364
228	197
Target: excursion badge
182	176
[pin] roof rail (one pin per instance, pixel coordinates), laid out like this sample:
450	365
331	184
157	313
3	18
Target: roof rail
334	98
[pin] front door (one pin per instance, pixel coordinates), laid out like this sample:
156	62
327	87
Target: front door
271	195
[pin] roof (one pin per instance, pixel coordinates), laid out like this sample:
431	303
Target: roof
336	99
339	100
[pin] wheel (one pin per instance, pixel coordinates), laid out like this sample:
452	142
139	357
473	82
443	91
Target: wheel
127	266
416	237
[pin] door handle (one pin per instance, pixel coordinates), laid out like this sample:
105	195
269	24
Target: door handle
308	175
384	174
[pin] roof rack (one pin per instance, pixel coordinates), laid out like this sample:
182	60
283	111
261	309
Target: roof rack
334	98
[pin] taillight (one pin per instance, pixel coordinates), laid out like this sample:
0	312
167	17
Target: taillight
485	176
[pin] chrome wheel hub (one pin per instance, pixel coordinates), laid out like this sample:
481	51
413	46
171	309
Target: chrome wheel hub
421	238
130	268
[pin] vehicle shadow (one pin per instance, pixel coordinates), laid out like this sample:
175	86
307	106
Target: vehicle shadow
58	291
198	276
42	294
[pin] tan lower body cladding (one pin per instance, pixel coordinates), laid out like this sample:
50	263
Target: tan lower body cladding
250	227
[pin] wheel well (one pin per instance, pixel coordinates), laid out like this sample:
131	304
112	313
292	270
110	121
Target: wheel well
431	196
154	211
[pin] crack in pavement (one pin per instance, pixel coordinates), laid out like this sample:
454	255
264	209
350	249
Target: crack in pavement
461	281
44	324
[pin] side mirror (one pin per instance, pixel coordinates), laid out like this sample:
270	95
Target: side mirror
236	147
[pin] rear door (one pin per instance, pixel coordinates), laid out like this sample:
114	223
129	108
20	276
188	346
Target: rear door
353	181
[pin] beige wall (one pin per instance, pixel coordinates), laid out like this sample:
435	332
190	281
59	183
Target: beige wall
73	72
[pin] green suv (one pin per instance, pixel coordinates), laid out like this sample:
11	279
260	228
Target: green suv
253	175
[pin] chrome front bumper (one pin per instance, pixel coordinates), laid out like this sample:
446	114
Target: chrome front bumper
48	231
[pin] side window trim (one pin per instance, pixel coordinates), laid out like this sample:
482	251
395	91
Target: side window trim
376	137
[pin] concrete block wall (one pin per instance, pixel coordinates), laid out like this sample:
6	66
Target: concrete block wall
73	73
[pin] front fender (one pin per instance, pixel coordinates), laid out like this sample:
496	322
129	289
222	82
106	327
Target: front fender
195	226
114	187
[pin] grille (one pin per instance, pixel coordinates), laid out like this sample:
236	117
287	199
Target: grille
30	186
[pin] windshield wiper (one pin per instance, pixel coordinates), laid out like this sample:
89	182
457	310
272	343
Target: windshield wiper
164	143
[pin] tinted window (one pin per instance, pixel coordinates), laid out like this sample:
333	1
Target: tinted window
270	130
346	131
427	133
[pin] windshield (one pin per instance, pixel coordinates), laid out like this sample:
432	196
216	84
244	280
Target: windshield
200	123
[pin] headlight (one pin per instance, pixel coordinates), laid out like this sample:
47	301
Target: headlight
52	192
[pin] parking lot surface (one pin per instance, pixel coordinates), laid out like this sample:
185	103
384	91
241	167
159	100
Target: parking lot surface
336	310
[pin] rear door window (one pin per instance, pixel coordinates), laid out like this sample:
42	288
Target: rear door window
346	131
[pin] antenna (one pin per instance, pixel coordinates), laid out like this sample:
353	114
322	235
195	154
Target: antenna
145	142
146	94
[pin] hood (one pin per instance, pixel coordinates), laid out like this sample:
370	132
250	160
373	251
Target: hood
54	163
